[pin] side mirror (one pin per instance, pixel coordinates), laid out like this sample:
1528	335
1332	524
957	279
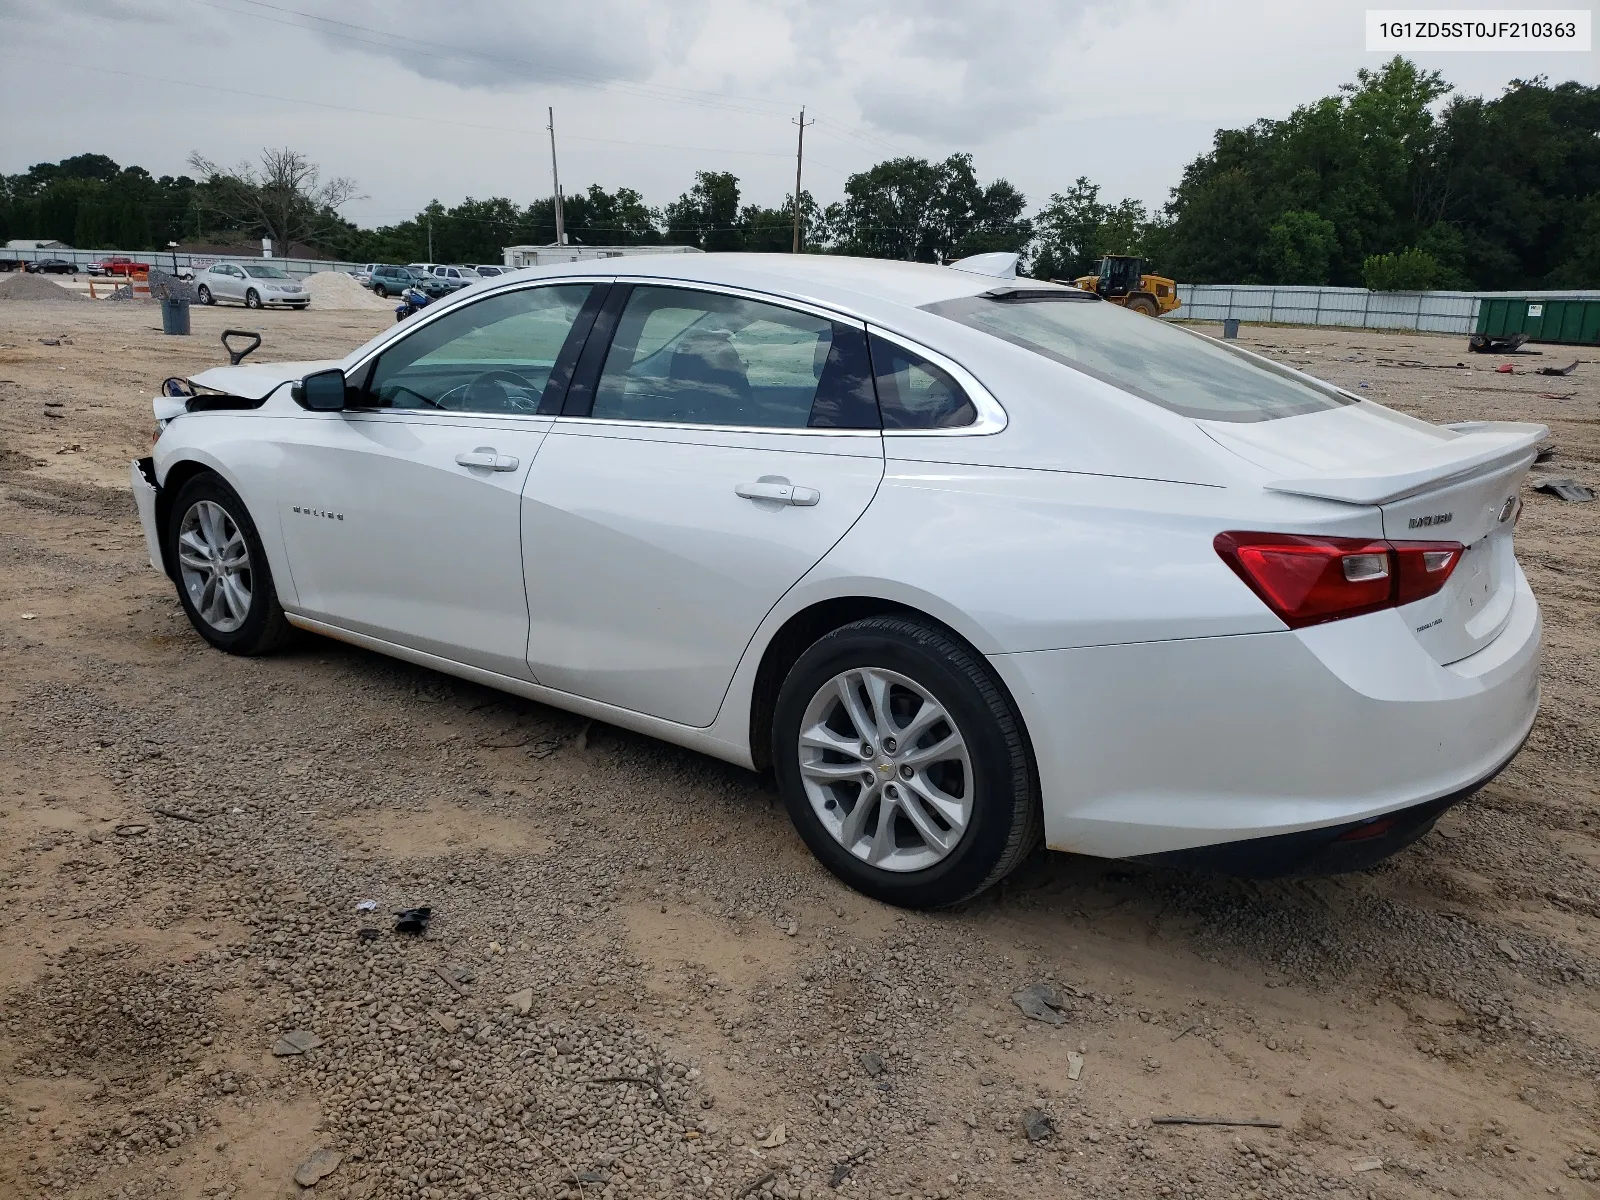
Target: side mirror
323	391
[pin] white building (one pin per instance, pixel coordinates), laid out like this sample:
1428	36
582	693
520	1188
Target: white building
544	256
36	244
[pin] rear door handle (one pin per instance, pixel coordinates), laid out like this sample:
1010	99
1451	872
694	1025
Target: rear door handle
485	458
783	493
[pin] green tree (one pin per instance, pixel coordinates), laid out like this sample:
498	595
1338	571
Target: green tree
707	215
1300	248
909	208
1408	271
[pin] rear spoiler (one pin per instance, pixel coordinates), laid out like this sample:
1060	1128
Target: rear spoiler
1479	448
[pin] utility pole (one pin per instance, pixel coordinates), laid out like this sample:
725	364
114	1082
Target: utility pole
555	180
799	159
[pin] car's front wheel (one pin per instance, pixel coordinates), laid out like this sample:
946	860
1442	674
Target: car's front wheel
904	764
203	294
379	291
252	299
224	582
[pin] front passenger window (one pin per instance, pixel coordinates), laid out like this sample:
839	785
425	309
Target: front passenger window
494	356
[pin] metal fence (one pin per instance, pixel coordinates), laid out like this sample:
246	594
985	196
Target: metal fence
163	260
1425	312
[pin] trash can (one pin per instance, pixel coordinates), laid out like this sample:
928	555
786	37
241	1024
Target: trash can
174	316
1230	327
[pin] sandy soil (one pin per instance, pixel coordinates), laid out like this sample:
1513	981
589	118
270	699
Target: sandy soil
635	974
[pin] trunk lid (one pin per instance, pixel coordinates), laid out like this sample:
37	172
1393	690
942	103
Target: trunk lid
1430	483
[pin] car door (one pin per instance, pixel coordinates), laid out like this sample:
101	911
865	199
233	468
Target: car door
712	448
401	514
232	282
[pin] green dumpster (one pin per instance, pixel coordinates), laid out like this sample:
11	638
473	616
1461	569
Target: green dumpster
1567	322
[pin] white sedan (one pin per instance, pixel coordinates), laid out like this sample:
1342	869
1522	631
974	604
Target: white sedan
254	285
970	561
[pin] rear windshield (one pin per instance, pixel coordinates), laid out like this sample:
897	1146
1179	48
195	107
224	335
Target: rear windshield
1183	372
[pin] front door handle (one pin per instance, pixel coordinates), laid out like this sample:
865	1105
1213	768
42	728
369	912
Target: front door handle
780	490
485	458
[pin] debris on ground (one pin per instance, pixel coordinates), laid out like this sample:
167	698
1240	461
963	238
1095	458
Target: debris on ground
521	1002
1041	1002
873	1064
323	1162
296	1041
842	1168
1249	1122
457	977
1037	1125
776	1138
413	920
1074	1067
368	933
1566	489
1484	343
1366	1164
366	905
1566	370
130	830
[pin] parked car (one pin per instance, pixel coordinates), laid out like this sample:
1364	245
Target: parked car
52	266
455	278
491	270
363	274
255	285
390	280
118	265
968	560
10	264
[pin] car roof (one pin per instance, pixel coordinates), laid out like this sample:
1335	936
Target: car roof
872	288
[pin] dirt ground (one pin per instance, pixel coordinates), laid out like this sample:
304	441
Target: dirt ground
636	982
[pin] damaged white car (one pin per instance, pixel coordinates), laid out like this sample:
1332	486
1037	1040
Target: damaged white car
970	561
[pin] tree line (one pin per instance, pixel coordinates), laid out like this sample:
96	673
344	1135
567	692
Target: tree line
1392	183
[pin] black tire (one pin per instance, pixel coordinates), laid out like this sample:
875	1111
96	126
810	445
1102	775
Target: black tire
1142	305
379	292
203	294
264	628
1006	819
252	299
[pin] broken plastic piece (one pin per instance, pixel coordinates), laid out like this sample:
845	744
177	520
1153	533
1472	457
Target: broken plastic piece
366	906
412	920
1567	489
1041	1002
1566	370
367	934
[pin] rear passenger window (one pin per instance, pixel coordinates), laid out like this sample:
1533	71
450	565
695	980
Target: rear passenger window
683	356
914	393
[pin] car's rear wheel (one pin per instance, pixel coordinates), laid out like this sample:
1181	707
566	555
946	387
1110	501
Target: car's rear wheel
203	294
904	764
224	582
252	299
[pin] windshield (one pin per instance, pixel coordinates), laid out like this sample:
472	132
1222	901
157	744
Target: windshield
265	273
1182	372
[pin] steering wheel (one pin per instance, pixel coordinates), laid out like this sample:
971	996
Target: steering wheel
481	396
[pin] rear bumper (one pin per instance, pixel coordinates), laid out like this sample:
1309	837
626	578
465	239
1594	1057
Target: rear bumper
1330	850
1191	745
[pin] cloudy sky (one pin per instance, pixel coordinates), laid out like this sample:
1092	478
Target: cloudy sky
418	99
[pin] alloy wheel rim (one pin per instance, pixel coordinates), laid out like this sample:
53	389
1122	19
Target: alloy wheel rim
886	769
214	561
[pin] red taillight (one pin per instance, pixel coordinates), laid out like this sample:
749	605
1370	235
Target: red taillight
1309	580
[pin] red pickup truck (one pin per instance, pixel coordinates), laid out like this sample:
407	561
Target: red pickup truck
118	265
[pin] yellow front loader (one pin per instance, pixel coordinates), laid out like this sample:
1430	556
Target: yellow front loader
1121	280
